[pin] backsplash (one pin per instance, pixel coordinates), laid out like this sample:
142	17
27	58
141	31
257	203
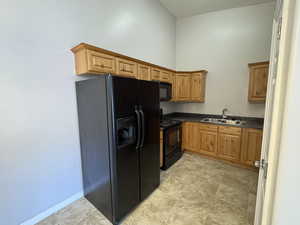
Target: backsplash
168	107
249	110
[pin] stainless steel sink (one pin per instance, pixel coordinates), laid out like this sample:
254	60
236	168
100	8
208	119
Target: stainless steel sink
223	121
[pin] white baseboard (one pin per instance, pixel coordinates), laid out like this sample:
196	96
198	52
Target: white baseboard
53	209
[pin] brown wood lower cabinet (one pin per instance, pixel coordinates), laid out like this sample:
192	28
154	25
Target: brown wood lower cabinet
229	147
185	135
189	136
193	138
233	144
200	138
208	142
251	146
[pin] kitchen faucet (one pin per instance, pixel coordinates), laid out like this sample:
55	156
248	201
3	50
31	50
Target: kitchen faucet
224	113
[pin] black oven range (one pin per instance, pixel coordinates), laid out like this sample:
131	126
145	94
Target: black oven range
172	138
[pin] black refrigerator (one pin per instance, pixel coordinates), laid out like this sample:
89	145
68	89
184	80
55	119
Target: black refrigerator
119	137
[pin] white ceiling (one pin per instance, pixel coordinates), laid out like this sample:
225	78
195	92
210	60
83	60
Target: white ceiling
184	8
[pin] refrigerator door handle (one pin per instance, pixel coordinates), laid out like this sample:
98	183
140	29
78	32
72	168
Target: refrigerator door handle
138	141
143	127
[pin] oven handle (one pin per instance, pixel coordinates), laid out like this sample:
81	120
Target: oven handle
138	127
143	126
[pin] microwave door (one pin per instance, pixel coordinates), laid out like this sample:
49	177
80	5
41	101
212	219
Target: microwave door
165	92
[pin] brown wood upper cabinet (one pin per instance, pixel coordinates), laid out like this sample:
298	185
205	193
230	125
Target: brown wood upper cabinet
189	87
161	75
198	81
183	87
251	146
258	81
186	86
89	61
165	76
98	62
144	72
126	68
155	73
173	80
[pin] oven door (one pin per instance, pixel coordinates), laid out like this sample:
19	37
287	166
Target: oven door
172	140
165	91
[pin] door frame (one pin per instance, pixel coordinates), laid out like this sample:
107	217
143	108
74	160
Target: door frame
283	74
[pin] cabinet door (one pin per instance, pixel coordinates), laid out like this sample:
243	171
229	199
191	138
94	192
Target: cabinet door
100	63
229	147
183	87
208	143
251	146
185	134
155	73
198	87
258	83
144	72
126	68
174	96
190	136
194	137
165	76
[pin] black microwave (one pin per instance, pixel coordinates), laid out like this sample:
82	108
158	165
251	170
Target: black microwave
165	91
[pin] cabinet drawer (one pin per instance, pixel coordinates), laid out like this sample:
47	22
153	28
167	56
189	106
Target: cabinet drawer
155	73
208	127
99	62
230	130
165	76
126	68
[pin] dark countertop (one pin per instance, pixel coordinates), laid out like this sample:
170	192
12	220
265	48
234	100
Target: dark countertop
251	122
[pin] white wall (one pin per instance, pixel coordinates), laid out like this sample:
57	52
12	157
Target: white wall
224	42
39	143
287	197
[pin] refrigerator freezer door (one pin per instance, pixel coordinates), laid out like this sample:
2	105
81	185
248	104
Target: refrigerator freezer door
149	151
125	92
126	166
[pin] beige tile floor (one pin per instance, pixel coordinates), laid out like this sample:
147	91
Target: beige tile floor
195	191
